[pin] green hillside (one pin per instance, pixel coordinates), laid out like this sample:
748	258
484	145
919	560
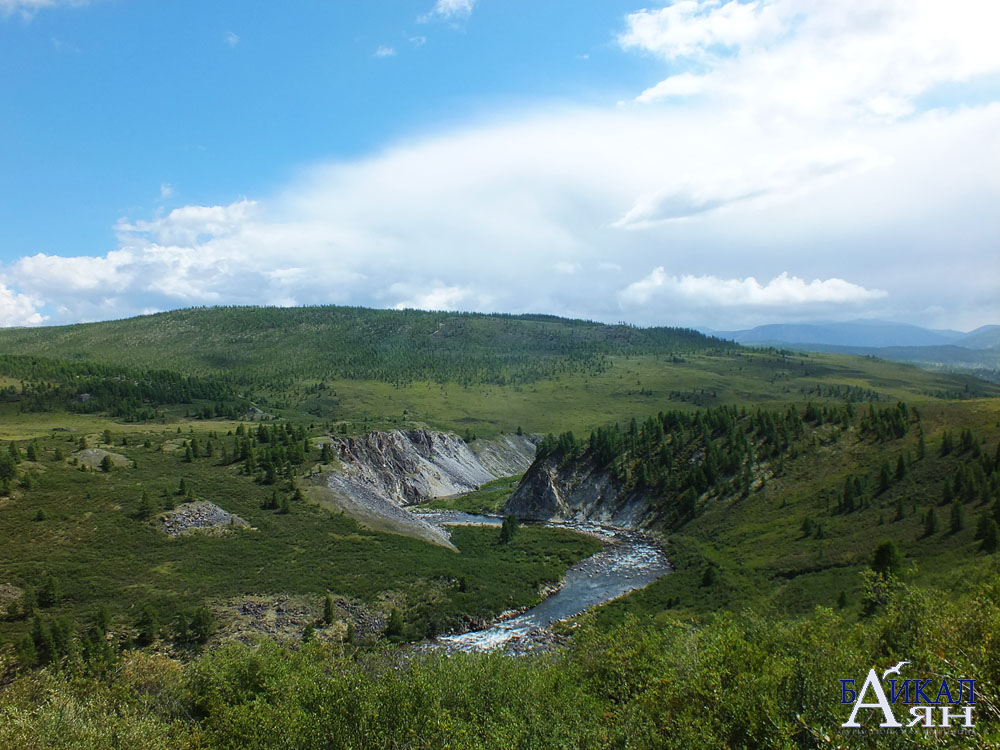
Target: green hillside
112	631
265	346
372	369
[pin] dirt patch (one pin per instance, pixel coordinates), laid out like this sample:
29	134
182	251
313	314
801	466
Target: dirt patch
200	515
93	457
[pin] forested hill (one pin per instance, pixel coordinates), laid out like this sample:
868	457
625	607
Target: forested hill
395	346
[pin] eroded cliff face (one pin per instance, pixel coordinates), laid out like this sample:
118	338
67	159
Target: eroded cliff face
578	492
385	471
417	465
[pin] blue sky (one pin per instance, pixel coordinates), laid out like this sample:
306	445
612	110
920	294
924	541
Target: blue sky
704	162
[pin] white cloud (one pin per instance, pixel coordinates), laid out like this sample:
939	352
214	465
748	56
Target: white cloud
28	8
187	224
231	38
692	27
384	51
697	194
18	309
437	297
166	190
814	57
682	84
484	218
710	291
449	10
773	167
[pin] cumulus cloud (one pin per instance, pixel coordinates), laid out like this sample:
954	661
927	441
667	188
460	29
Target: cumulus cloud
693	27
18	309
530	213
710	291
817	58
437	297
187	224
557	209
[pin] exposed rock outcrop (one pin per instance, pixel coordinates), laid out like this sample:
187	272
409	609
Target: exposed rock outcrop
199	515
385	471
417	465
577	492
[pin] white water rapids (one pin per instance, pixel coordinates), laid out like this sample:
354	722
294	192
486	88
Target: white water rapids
630	560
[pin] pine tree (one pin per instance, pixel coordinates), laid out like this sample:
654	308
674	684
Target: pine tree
50	592
957	517
106	464
328	610
148	625
930	523
946	443
508	529
394	627
145	506
887	559
991	537
28	602
808	527
884	478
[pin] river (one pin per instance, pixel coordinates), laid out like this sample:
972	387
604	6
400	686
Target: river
630	560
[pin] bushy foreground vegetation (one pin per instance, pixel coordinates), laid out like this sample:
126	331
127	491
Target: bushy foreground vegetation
733	680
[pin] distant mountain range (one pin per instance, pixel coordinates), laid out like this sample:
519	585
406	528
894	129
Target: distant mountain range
977	350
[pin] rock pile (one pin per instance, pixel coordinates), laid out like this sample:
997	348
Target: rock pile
198	515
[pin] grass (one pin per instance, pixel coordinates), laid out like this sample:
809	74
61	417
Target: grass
488	500
92	541
362	370
634	386
764	559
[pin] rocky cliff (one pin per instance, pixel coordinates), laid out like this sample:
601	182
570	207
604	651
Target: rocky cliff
417	465
576	492
385	471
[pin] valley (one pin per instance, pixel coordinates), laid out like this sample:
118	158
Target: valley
188	494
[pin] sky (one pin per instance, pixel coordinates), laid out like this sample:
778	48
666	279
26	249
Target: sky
700	163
